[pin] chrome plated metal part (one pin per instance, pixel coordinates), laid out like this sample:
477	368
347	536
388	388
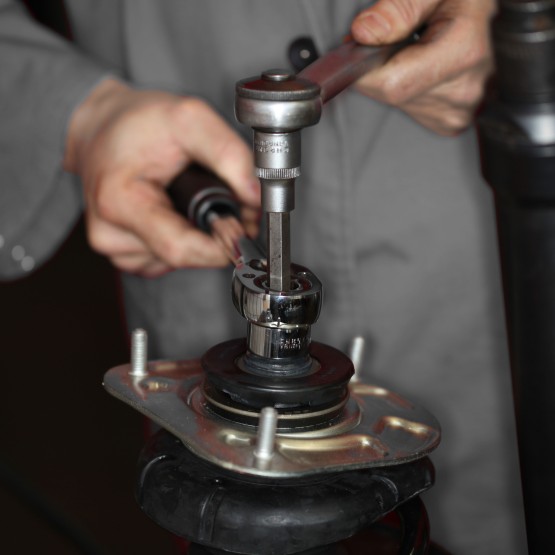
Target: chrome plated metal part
267	427
278	323
277	105
356	354
139	349
277	155
376	427
277	102
277	343
278	194
300	306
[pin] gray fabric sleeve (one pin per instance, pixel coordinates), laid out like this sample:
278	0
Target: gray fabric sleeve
42	79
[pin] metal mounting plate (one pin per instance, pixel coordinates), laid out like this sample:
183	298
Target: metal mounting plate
377	427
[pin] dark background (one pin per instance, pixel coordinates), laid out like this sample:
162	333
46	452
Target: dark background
66	443
68	450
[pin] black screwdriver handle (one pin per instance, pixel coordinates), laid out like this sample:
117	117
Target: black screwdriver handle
197	192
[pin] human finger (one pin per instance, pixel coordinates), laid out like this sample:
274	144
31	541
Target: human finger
449	107
210	141
389	21
250	217
143	208
111	240
440	57
144	266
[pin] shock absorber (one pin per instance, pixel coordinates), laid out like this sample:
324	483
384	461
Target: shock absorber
517	137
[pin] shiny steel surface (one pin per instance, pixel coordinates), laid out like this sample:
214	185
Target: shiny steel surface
376	428
297	307
277	105
356	354
278	342
278	321
277	157
266	436
278	194
279	152
139	345
277	85
279	251
278	115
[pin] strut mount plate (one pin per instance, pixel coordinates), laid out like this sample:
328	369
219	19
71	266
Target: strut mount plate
376	428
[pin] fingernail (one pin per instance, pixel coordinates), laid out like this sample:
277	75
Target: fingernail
374	26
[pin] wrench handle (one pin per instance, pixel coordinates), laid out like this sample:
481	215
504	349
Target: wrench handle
342	66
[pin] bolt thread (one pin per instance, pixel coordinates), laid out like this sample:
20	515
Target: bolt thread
267	426
139	352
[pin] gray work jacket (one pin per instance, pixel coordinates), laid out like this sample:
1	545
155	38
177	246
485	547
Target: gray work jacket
394	220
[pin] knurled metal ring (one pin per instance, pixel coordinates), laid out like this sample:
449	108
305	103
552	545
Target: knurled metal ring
278	173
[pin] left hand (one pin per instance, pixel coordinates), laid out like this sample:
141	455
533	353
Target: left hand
439	81
126	145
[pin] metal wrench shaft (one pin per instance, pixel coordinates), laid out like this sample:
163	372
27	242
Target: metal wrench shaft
341	67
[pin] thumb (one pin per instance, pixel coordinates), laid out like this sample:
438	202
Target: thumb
389	21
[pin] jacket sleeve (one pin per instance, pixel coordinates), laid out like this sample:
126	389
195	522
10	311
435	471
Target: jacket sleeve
42	79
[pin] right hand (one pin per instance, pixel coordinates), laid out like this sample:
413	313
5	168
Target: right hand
438	81
127	145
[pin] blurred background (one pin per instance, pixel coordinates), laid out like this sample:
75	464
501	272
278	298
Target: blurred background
68	449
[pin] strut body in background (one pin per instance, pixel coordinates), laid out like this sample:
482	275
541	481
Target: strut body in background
517	133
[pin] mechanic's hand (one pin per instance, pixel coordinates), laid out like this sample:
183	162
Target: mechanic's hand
438	81
127	145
